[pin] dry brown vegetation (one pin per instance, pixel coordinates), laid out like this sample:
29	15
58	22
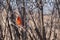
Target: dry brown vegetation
35	24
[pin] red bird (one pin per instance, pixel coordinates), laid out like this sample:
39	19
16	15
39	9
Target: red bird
18	21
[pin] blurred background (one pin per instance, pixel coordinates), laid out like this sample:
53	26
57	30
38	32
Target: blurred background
40	19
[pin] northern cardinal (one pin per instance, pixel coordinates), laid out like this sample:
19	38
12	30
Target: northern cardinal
18	21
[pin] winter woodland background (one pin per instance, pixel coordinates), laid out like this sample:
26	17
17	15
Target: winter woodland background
40	19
